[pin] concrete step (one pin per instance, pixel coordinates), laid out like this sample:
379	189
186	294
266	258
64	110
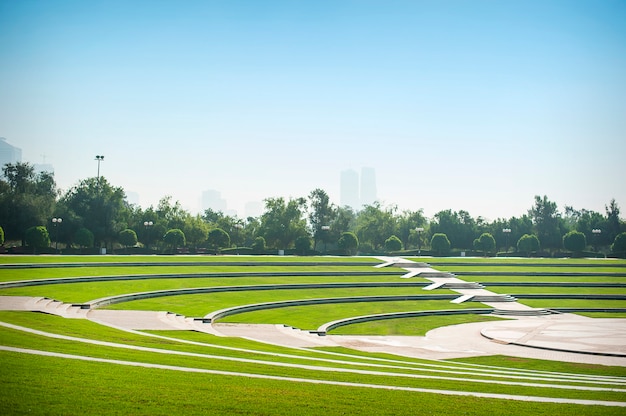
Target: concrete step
530	312
430	275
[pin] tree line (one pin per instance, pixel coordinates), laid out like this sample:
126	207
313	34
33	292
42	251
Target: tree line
95	214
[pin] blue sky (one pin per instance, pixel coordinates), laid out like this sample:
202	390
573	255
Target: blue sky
475	105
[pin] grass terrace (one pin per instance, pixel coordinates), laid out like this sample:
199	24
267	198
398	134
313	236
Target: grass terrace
56	365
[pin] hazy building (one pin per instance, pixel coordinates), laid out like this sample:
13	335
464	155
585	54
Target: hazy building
8	153
349	189
213	199
368	186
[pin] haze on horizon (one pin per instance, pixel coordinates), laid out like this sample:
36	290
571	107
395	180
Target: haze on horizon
463	105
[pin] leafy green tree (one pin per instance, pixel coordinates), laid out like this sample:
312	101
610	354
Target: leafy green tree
84	238
575	242
321	215
26	199
393	243
258	246
440	244
174	238
459	227
546	219
128	238
485	243
528	243
613	227
283	222
218	239
303	244
374	222
619	245
196	230
407	222
97	205
37	237
1	236
348	243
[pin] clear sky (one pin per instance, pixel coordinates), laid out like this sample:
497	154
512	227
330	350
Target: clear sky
474	105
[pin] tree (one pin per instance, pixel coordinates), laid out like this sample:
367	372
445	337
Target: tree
321	214
97	205
26	199
196	230
619	245
528	243
175	238
37	237
546	220
373	223
218	239
485	243
128	238
612	218
84	238
258	246
1	236
575	242
440	244
393	243
459	227
408	222
283	222
303	244
348	243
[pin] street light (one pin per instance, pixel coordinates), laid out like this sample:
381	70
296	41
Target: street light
506	232
148	224
55	222
596	234
419	240
99	158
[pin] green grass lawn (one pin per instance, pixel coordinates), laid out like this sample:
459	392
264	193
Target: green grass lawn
36	384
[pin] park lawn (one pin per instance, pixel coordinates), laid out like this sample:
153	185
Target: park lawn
486	278
312	317
60	259
418	326
49	385
80	292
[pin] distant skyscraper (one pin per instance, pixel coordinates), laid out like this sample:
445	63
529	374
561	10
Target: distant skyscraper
349	189
8	153
368	186
213	199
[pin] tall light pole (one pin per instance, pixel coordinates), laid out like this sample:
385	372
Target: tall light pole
99	158
506	232
56	222
419	240
148	224
596	233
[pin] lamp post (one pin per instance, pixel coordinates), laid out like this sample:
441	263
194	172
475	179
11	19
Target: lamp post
56	222
596	234
237	227
506	232
419	240
325	228
148	224
99	158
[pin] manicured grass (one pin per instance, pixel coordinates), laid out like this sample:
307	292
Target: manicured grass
48	385
414	326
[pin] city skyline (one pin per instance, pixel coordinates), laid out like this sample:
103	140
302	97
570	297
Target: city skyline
475	106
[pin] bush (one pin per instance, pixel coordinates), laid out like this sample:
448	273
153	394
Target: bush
528	243
1	236
258	246
128	238
175	238
37	238
440	244
348	243
575	242
393	243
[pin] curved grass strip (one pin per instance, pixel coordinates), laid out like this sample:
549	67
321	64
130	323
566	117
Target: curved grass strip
83	279
220	289
325	328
